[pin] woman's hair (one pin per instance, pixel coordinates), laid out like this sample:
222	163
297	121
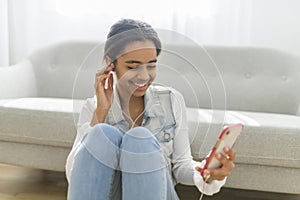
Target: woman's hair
128	30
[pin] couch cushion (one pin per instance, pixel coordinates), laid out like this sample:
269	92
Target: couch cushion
44	121
267	139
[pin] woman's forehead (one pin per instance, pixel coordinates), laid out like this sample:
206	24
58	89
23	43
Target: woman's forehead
139	49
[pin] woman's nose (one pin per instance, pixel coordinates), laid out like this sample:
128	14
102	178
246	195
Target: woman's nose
143	74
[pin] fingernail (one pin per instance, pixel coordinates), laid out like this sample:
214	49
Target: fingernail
205	173
226	149
218	156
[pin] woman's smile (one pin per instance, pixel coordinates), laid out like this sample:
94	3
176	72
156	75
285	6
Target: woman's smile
136	67
140	86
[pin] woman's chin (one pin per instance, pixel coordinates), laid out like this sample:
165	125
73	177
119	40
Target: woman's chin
135	91
141	91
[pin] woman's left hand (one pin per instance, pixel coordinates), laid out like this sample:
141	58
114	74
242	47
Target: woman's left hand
227	161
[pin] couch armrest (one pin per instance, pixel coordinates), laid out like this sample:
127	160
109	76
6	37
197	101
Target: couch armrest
17	80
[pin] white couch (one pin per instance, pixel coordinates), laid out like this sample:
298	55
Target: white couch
40	99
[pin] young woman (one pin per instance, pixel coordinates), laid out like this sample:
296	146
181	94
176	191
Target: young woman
132	141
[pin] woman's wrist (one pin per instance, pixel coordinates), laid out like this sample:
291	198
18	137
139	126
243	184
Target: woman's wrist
98	117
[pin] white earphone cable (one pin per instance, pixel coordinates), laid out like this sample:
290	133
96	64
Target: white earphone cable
133	122
203	188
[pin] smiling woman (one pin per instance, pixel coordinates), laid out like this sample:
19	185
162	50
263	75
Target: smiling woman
132	140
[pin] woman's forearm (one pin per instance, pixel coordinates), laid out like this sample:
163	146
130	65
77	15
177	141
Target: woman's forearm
98	117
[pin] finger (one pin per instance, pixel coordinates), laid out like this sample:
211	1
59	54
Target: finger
109	68
221	158
230	152
112	65
101	72
218	174
199	169
105	70
99	82
226	163
206	174
110	81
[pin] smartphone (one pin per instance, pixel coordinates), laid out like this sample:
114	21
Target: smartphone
106	81
227	138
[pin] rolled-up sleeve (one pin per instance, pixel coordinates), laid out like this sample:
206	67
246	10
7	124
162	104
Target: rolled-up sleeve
183	163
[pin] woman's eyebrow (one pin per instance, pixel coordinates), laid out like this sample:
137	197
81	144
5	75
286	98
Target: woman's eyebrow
139	62
153	61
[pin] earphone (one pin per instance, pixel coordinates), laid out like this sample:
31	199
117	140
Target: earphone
106	81
106	84
203	188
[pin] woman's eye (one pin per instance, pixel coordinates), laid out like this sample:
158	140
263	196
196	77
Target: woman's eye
132	67
151	66
137	67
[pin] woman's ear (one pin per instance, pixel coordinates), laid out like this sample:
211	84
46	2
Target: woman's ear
109	62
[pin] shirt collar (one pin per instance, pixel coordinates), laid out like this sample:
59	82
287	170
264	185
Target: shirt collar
152	103
152	106
115	114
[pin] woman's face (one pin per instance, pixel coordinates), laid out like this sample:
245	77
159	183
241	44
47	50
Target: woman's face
136	68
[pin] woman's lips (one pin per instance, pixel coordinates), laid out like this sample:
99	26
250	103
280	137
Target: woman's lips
142	86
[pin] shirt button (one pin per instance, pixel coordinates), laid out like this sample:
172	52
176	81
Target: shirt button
166	136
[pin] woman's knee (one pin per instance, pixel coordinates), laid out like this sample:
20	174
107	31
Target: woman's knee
104	132
140	140
140	152
103	143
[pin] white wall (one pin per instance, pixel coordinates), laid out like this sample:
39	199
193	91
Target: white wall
271	23
4	39
277	25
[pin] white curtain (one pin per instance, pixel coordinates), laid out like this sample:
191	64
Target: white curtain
35	23
4	38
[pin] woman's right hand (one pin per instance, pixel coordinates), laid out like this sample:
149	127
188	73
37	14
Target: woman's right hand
104	96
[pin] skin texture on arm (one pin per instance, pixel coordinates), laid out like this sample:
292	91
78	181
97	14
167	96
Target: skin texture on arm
104	96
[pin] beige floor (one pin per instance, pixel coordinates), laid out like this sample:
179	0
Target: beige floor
17	183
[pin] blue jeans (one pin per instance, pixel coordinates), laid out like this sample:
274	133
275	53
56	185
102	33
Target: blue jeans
109	165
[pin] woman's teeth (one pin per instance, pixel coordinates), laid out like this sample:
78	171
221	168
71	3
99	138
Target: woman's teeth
140	85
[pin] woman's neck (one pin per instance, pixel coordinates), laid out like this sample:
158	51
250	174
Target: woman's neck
132	103
133	108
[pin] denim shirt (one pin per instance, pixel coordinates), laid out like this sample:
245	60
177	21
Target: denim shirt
165	116
158	115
